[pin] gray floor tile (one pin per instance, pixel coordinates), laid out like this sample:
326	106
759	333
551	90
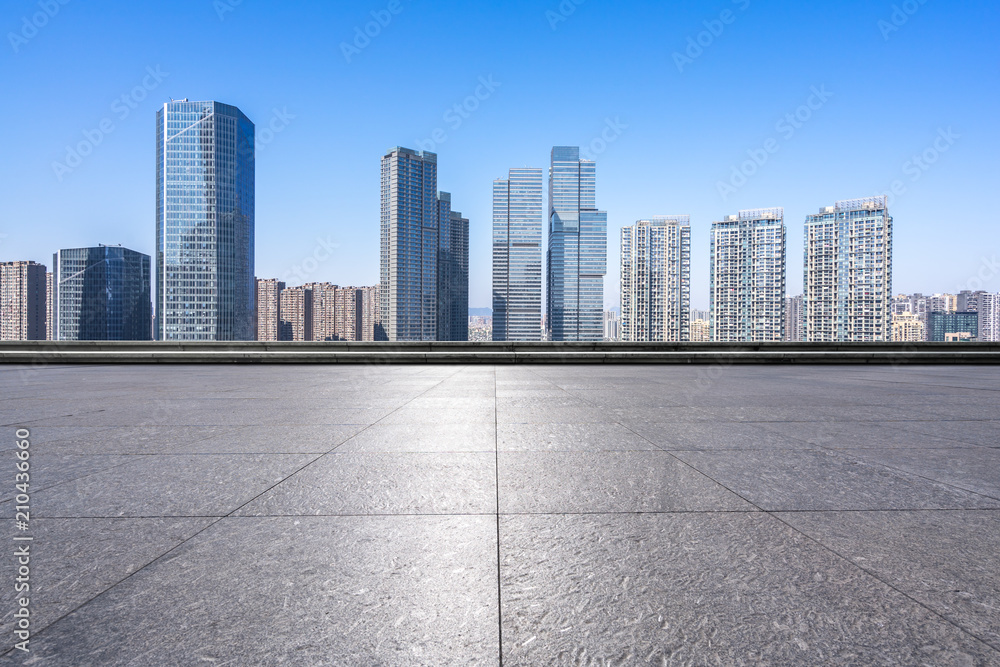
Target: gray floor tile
470	437
598	437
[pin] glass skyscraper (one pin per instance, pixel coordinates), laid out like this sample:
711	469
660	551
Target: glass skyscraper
518	217
578	250
424	260
747	290
101	293
204	222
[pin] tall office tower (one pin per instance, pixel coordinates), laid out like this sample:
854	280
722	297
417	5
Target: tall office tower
952	327
518	218
50	309
908	328
848	272
348	308
747	290
103	293
267	309
700	331
409	242
989	318
577	256
793	319
204	222
22	301
656	280
452	273
323	311
296	314
612	326
371	318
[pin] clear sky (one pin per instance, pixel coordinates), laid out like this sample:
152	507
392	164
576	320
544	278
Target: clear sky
687	91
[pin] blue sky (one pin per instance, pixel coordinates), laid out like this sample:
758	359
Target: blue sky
873	84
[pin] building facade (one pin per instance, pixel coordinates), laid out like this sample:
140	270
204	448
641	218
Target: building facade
656	280
908	328
793	319
848	272
701	331
408	258
945	327
296	304
22	301
371	315
205	285
577	254
102	293
267	309
452	272
50	306
747	289
518	218
612	326
989	318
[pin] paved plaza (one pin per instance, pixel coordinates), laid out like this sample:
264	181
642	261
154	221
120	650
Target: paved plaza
523	515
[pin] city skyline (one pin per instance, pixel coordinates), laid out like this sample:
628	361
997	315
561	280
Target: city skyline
630	97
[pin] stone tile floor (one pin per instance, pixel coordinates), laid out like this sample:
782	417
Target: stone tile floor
442	515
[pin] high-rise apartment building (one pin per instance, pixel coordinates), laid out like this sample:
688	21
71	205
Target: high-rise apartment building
296	304
50	306
656	280
452	273
102	293
22	301
371	315
848	272
348	310
701	332
968	301
747	288
793	319
577	255
267	309
612	326
204	222
518	219
908	328
323	311
989	317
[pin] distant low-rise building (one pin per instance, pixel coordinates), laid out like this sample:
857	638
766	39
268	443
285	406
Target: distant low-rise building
945	327
701	332
908	328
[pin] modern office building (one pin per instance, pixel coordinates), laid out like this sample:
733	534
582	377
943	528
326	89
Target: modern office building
747	285
908	328
612	326
296	305
204	222
989	317
577	255
944	327
102	293
22	301
452	273
656	280
793	319
408	257
267	309
518	219
848	272
424	259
